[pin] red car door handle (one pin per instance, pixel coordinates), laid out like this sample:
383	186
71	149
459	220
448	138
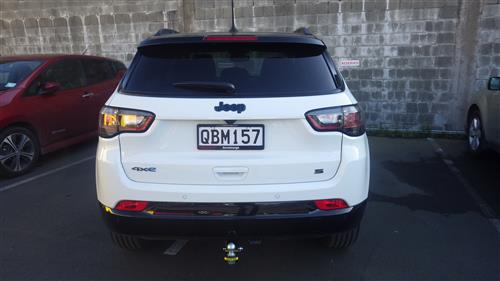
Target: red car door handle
88	95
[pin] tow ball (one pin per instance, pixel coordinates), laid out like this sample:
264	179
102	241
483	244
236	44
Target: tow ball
232	251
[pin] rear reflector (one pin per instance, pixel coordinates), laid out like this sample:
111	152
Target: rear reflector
231	38
330	204
131	206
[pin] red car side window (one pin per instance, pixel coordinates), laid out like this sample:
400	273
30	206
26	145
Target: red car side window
68	73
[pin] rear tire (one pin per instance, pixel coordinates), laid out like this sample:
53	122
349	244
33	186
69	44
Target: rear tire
19	151
341	240
127	242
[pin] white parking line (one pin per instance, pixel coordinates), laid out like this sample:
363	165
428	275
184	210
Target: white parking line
10	186
485	209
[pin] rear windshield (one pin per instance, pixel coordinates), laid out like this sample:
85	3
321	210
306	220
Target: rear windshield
255	70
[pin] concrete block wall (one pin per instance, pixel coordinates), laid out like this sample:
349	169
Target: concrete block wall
109	28
420	60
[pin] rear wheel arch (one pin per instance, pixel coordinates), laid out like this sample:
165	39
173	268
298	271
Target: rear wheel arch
472	109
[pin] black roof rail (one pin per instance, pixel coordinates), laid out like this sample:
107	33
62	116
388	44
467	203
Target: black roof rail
165	31
303	30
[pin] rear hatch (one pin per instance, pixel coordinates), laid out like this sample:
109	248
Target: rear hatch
230	113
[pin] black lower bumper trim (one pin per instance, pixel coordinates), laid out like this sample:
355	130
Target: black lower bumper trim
315	223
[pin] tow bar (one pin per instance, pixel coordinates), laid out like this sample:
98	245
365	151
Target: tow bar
232	251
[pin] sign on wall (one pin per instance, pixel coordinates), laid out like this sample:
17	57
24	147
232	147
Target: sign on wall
349	63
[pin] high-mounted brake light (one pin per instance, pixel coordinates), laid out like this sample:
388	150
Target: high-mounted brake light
231	38
131	206
345	119
114	121
330	204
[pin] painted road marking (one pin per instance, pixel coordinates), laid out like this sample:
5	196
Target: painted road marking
16	184
485	209
175	248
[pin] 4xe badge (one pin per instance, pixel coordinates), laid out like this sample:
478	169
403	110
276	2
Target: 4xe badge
139	169
230	107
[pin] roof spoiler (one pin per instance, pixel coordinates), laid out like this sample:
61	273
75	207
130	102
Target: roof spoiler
303	30
168	31
165	31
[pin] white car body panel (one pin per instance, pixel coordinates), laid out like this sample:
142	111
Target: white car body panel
283	171
293	150
351	182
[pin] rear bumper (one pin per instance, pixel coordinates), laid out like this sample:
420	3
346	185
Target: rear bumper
351	182
243	223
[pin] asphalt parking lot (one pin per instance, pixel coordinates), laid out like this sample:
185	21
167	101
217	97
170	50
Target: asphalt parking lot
433	213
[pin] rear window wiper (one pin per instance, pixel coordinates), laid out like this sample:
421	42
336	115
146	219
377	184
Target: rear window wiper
224	87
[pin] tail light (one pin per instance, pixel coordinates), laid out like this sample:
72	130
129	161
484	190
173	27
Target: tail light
131	206
114	121
330	204
345	119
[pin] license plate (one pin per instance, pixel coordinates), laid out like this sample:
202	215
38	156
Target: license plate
231	137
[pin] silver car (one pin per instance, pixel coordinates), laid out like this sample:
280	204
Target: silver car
483	119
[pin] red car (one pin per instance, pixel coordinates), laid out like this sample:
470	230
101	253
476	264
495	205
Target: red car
48	102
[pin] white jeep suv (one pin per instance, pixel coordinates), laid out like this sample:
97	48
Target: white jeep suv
232	135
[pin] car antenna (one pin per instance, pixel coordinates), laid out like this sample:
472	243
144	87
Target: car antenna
233	25
84	51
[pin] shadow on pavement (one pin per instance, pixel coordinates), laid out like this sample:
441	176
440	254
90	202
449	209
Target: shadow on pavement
436	183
